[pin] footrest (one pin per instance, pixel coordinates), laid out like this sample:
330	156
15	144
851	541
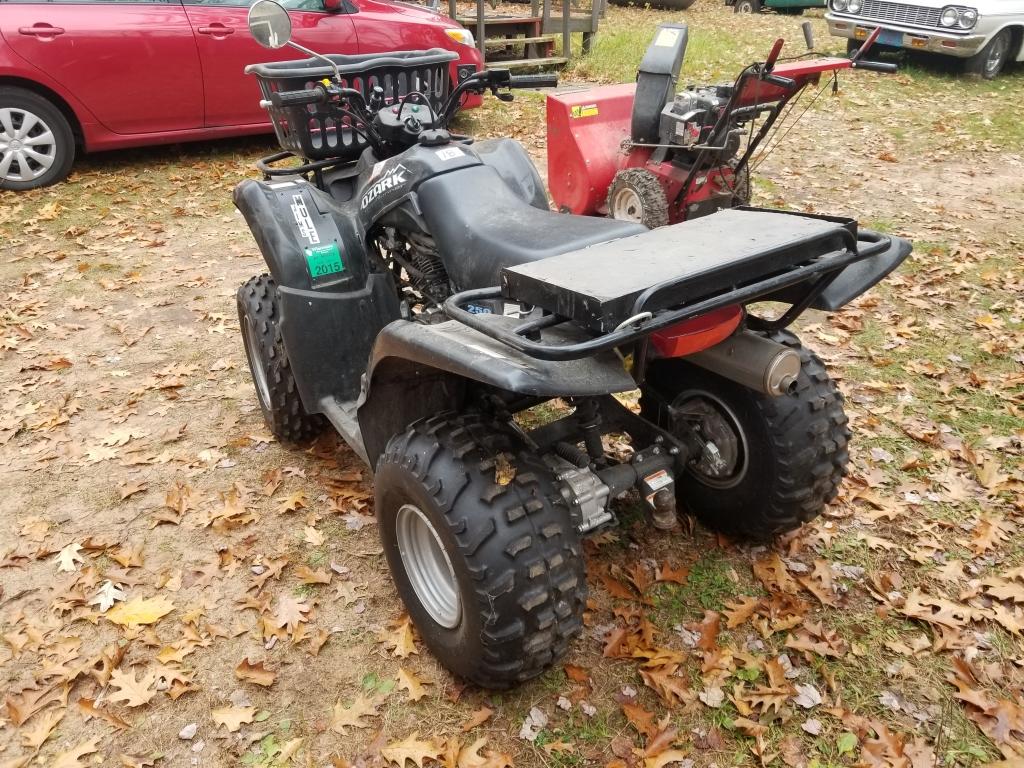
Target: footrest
604	285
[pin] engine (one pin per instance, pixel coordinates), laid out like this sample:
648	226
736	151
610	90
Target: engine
690	117
417	267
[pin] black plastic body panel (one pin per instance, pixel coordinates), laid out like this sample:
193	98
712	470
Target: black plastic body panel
656	80
328	322
516	169
697	257
417	370
481	225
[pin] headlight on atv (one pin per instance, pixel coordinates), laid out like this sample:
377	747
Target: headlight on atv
463	36
950	17
968	18
839	5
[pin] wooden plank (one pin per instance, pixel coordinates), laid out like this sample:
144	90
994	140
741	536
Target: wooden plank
499	42
547	62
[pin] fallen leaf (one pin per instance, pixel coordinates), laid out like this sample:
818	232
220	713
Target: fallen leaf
133	692
140	610
411	748
343	717
232	718
255	673
479	717
68	558
411	683
72	758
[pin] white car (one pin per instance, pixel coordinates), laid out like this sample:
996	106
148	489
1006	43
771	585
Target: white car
985	33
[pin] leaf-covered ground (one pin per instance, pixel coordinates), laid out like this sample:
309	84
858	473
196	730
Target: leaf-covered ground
178	589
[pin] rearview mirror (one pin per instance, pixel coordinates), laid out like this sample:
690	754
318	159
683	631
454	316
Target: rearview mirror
270	24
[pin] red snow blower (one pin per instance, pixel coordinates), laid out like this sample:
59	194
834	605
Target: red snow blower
641	152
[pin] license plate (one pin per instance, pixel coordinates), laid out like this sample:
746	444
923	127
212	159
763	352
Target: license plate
890	37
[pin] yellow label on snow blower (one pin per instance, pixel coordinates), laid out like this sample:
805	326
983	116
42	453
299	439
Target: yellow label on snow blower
584	110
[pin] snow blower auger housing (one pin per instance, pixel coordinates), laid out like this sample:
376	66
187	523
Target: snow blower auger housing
424	302
642	152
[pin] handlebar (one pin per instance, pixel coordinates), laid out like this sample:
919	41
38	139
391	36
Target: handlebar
298	98
533	81
875	66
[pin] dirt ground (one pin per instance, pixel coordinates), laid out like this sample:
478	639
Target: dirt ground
255	622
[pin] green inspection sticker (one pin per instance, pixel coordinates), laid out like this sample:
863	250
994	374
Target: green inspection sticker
324	260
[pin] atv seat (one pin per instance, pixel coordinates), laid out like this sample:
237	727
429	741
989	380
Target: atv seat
482	226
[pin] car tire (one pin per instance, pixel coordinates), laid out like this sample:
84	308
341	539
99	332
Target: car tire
490	568
990	60
747	6
37	145
790	11
852	46
786	455
259	315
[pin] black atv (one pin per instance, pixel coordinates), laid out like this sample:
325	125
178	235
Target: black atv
423	299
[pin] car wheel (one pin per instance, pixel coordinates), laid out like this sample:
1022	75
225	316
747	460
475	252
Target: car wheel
37	146
990	60
747	6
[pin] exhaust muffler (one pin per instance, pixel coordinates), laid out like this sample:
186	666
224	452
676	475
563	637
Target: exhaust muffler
753	361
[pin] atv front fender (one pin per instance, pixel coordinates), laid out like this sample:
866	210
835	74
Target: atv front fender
863	275
418	370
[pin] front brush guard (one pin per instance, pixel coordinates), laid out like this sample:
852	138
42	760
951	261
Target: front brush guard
826	282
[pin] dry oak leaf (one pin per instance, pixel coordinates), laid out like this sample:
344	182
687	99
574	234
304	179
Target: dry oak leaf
412	684
738	611
140	610
936	610
255	673
34	737
22	706
669	756
72	758
640	719
471	757
342	717
89	709
68	558
479	717
309	576
400	639
411	748
290	613
132	692
232	718
773	573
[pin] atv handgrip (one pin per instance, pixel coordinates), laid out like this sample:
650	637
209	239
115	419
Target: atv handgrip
533	81
875	66
298	98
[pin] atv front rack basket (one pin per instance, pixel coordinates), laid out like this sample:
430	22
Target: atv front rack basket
619	292
320	132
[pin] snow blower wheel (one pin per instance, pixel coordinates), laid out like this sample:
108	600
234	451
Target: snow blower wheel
636	195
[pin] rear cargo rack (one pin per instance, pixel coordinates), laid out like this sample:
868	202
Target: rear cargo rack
797	277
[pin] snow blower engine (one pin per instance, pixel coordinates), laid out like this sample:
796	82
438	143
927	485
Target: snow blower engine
642	152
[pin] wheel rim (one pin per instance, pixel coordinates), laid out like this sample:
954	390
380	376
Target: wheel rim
28	148
627	205
995	55
717	424
259	372
427	566
746	7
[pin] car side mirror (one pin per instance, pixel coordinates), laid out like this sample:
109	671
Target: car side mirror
334	6
269	24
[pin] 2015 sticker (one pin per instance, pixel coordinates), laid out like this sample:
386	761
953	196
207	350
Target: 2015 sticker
324	261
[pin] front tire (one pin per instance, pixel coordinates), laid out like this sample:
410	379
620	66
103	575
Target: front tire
636	195
488	565
37	146
259	315
990	60
781	459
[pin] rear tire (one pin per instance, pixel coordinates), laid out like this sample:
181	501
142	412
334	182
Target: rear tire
787	454
499	593
990	60
636	195
37	145
258	316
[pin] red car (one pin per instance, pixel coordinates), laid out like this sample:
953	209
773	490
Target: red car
93	74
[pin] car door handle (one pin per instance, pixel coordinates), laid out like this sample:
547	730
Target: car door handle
217	30
41	30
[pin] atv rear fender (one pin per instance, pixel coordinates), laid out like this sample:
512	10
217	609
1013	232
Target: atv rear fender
418	370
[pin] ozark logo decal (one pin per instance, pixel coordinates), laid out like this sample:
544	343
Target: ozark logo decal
392	179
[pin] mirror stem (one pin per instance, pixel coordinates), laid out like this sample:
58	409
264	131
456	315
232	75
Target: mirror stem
315	55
